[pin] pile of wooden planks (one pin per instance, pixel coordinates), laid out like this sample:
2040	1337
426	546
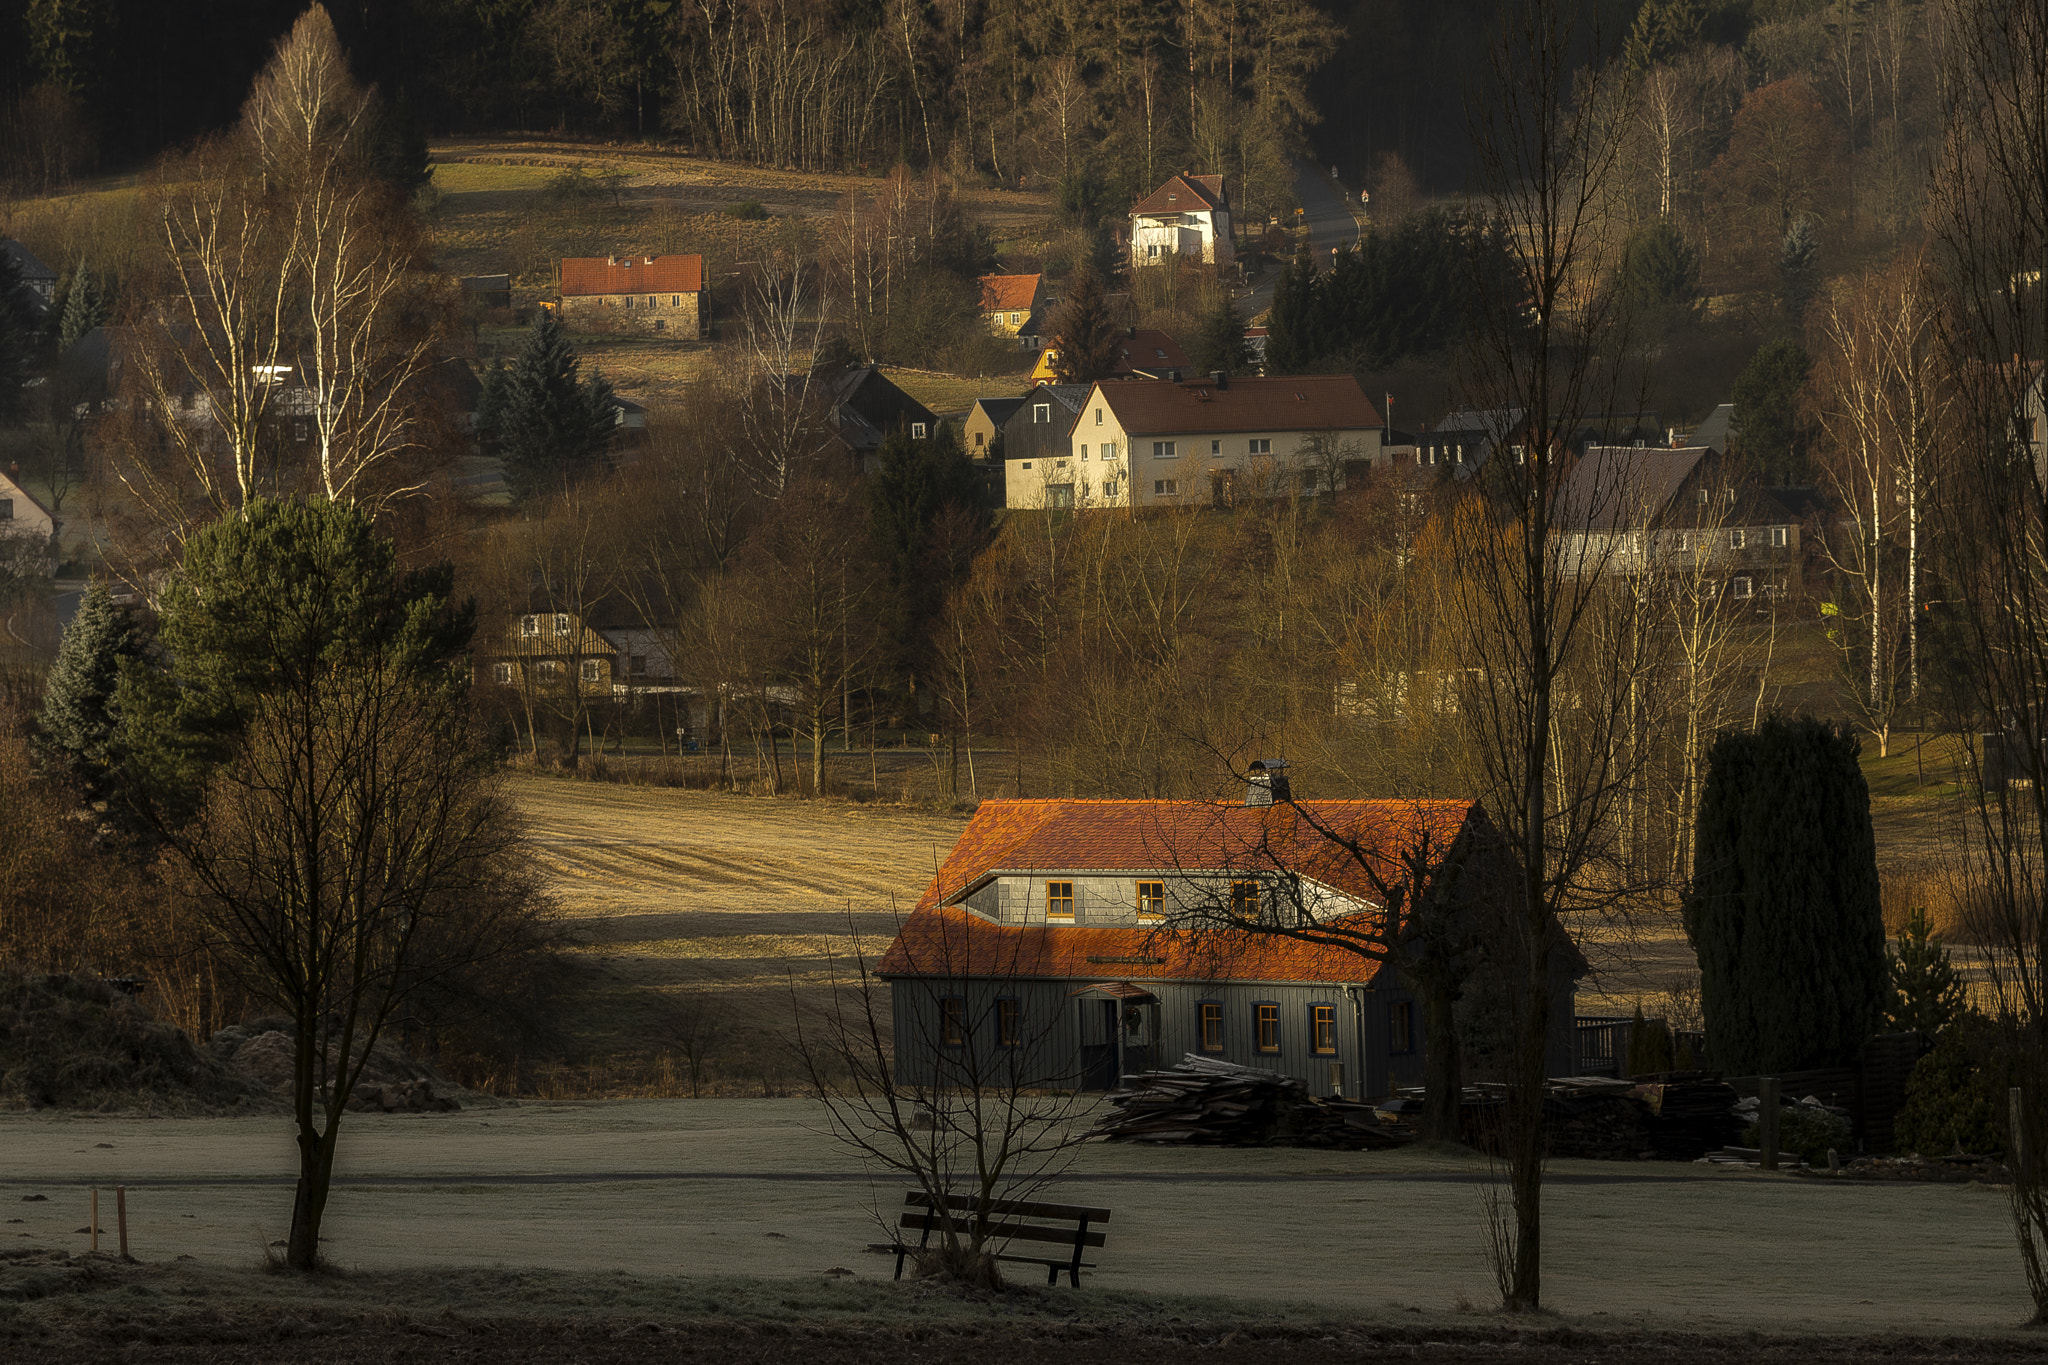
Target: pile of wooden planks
1205	1102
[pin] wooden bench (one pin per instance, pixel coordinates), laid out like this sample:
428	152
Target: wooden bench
1021	1220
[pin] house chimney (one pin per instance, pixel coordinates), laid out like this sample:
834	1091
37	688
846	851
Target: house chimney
1268	782
1131	333
1221	378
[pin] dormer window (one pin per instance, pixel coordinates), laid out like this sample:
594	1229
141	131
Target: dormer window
1059	902
561	623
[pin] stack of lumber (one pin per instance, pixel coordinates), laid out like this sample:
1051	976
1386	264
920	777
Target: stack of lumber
1206	1102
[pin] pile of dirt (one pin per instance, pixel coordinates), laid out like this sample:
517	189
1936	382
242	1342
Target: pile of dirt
263	1052
74	1042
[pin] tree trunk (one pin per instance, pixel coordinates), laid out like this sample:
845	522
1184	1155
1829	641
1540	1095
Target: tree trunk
1443	1083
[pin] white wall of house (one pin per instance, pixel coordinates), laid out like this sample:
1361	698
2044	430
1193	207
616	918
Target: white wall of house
1203	235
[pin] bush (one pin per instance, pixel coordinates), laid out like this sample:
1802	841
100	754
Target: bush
748	210
1955	1097
1806	1131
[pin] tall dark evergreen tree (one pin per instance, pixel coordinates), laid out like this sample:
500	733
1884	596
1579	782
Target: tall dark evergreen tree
1769	431
1784	911
1660	277
548	424
78	727
1291	346
914	483
17	342
1084	331
1799	267
1220	345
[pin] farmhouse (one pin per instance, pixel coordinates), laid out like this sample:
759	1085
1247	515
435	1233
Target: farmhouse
1161	444
1188	216
40	279
1010	304
649	293
1070	929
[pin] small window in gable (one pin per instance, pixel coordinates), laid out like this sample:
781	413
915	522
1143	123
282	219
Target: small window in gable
1041	412
917	431
561	623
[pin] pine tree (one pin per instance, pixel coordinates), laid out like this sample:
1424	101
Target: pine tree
1084	331
1927	992
85	307
78	727
1660	276
1219	345
1783	911
1649	1046
548	425
1771	435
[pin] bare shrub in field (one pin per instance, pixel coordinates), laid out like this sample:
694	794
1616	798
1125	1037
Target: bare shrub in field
1933	890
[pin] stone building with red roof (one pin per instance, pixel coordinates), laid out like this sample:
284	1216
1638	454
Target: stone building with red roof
663	294
1095	934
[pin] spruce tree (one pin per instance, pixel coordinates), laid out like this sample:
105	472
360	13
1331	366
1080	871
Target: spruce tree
85	307
1291	344
1783	910
1085	332
78	727
548	424
1219	345
1798	266
17	341
1927	992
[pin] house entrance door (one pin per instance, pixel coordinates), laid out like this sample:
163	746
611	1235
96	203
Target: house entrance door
1101	1045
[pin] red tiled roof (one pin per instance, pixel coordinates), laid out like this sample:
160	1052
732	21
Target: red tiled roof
1159	836
1319	402
632	275
1184	194
1007	293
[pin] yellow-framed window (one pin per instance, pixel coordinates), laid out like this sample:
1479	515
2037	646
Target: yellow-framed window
1210	1018
1266	1027
1059	902
1151	900
1322	1029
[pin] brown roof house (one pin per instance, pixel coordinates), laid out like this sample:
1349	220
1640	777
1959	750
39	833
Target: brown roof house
1085	929
1692	511
1188	216
1011	303
1159	444
662	294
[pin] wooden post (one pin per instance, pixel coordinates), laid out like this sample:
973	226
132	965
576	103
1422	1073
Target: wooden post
121	1216
2017	1116
1767	1121
92	1224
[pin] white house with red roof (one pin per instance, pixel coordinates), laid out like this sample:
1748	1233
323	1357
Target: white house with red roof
1188	216
663	294
1213	439
1088	934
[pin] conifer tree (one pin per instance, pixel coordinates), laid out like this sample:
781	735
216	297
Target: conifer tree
549	425
85	307
78	727
1219	345
17	341
1927	992
1290	344
1783	910
1084	331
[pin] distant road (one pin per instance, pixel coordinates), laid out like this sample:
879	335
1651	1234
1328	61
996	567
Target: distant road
1330	224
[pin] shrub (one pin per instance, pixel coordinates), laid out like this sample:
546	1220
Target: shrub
1956	1094
749	210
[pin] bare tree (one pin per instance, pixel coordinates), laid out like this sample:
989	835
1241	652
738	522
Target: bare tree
948	1073
1990	216
1548	694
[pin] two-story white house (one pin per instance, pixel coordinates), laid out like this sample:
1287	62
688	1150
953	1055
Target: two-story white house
1187	216
1153	443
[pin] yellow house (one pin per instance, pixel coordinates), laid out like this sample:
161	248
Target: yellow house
1160	444
1010	304
1143	353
